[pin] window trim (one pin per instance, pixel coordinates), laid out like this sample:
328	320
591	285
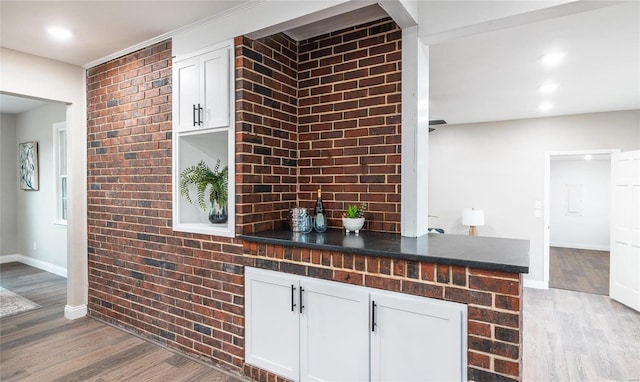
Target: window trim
58	198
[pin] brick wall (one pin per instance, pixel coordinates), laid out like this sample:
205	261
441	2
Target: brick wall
324	113
493	298
349	121
182	290
267	132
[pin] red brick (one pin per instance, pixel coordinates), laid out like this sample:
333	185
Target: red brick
502	286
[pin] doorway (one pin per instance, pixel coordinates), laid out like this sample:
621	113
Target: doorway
577	220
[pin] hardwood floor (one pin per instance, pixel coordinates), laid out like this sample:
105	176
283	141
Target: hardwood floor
579	270
42	345
575	336
568	336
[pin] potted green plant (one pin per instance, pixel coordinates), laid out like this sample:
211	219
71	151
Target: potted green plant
353	217
216	181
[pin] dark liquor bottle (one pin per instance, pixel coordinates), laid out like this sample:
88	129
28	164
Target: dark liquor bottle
320	221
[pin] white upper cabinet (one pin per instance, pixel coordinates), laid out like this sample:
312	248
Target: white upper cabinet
203	91
203	131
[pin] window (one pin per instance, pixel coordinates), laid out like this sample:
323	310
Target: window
60	170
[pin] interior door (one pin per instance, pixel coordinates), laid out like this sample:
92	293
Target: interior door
624	278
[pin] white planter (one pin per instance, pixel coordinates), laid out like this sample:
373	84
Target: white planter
353	224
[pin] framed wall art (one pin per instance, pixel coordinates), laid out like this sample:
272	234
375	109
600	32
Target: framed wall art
28	152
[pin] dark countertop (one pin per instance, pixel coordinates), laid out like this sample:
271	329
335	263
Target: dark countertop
508	255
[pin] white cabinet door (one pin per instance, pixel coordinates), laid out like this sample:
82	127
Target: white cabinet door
334	332
187	81
417	339
215	96
272	322
203	86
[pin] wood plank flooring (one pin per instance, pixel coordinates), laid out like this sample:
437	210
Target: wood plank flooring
575	336
580	270
42	345
568	336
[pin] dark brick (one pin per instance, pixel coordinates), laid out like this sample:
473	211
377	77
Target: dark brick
112	103
167	335
202	329
233	268
143	236
137	275
94	186
267	264
151	262
320	273
112	134
263	69
106	304
479	375
262	90
507	335
262	188
144	203
130	155
295	269
252	54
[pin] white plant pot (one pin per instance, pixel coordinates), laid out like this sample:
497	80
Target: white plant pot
353	224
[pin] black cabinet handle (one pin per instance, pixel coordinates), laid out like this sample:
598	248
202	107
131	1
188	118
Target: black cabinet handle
194	116
373	316
199	115
301	304
293	305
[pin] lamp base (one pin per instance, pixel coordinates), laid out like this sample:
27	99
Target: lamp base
472	231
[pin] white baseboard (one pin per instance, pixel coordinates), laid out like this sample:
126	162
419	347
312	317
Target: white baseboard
535	284
589	247
10	258
51	268
75	312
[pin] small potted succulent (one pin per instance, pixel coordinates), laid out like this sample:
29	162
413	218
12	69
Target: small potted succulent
353	217
216	181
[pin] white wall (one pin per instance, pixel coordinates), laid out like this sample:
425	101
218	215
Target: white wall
588	228
38	237
24	74
8	184
499	167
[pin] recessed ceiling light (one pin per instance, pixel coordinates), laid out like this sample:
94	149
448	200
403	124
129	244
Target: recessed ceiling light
552	59
548	88
60	33
545	106
588	157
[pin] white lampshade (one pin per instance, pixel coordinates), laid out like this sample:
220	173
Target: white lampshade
472	217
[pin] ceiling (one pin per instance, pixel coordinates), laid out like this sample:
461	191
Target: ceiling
487	76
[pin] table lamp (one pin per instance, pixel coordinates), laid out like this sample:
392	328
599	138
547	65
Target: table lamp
472	218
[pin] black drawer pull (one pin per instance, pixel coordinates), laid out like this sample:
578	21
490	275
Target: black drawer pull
373	316
293	305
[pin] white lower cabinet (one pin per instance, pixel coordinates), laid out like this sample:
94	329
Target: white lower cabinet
417	339
334	334
307	329
272	324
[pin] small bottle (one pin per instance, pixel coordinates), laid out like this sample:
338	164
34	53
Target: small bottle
320	221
